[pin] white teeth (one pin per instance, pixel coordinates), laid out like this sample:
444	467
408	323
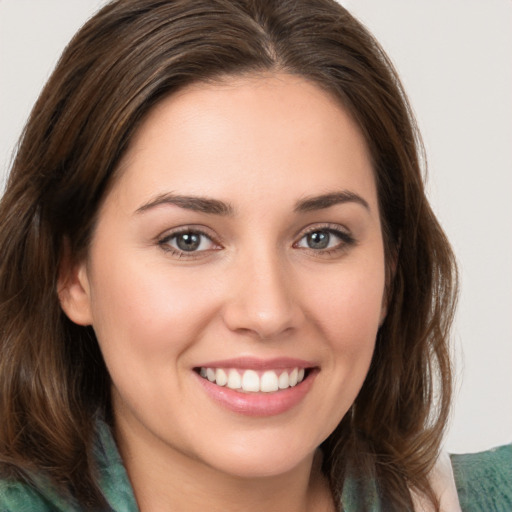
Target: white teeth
250	381
221	377
284	380
234	379
269	382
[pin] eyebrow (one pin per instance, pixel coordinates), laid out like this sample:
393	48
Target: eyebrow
217	207
327	200
195	203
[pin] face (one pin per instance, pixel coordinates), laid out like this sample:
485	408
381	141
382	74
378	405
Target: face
235	279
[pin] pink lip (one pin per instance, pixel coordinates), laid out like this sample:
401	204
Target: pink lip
252	363
259	404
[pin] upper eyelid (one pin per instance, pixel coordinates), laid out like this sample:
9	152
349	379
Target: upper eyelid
202	230
326	226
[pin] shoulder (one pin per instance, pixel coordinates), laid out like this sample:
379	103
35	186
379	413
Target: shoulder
484	480
38	495
16	496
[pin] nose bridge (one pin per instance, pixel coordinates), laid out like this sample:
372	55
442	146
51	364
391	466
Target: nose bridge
263	300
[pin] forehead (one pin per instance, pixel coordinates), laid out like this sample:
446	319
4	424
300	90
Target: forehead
255	134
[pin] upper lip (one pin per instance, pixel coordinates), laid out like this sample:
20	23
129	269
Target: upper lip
253	363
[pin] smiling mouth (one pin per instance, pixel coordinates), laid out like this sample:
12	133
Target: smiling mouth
252	381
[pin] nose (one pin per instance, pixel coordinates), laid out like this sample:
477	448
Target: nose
264	301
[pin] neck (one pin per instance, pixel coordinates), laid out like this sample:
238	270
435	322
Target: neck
166	479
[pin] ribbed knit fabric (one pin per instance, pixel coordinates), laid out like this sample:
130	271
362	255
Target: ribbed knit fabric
484	480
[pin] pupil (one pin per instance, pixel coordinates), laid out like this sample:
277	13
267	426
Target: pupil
188	241
318	240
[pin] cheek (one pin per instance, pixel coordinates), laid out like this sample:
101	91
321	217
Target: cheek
146	318
146	308
348	304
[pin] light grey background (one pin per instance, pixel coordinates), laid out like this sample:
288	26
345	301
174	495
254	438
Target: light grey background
455	59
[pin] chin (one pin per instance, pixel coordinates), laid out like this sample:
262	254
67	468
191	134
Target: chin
251	468
253	459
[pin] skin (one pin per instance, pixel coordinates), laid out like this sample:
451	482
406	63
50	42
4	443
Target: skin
255	287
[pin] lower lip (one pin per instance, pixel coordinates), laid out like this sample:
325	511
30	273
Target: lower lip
259	404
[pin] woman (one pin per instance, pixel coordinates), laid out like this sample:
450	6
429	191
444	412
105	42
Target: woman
222	285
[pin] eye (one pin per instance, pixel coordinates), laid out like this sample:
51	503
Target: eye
319	239
187	241
325	239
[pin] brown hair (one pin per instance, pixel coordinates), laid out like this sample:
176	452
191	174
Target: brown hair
119	65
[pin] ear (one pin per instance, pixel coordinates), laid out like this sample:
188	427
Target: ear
73	288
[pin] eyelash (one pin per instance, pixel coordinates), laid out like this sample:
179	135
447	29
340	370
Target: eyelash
189	230
346	241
